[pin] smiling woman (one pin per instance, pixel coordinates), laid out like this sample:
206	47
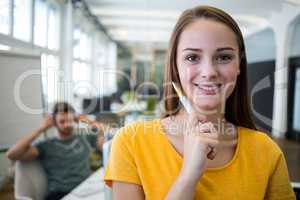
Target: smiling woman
192	155
230	52
208	62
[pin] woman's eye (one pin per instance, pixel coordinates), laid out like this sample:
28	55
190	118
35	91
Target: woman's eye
224	58
192	58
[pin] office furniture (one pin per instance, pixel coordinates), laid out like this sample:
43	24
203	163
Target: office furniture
30	180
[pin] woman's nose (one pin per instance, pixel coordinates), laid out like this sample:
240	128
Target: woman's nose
208	71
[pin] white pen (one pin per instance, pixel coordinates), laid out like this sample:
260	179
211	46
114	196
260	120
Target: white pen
185	102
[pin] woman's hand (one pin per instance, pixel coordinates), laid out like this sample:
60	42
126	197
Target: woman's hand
200	144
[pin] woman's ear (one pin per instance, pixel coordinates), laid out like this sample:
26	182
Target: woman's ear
238	72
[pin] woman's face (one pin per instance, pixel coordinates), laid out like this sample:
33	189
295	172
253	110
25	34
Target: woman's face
208	63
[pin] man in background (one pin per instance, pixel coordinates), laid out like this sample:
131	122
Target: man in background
65	158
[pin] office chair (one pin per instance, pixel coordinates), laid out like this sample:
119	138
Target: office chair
30	180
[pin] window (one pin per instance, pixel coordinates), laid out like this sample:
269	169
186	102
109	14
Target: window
76	43
4	47
85	45
105	74
40	26
81	71
47	34
82	62
296	113
5	16
50	77
53	31
22	19
81	78
293	131
82	48
100	53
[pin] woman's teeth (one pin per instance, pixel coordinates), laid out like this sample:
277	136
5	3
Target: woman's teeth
208	88
212	86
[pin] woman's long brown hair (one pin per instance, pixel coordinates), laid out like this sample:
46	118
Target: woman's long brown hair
237	110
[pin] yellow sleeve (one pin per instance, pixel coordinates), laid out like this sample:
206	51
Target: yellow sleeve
279	186
121	165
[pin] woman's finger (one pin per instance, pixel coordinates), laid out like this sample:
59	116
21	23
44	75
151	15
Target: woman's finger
190	125
207	130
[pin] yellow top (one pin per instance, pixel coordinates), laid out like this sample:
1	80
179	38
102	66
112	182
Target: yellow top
142	154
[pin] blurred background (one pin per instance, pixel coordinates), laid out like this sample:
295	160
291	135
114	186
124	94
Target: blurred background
106	57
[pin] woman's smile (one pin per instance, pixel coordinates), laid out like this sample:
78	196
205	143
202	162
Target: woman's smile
207	88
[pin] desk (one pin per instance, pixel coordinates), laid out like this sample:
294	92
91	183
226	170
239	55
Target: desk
91	189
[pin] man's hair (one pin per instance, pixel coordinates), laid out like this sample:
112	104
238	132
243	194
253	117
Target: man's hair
62	107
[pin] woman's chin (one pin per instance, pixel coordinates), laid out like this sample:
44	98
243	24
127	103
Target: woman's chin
207	105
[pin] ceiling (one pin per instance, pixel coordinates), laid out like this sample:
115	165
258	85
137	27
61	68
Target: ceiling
148	24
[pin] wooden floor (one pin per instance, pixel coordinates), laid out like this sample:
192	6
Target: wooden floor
291	150
7	193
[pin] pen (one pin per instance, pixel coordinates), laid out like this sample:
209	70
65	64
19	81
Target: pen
185	102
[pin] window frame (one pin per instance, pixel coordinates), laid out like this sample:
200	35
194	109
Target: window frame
294	64
31	22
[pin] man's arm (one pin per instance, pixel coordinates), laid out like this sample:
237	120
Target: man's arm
100	128
100	140
100	135
23	150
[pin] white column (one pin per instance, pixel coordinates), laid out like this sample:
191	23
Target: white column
283	28
66	58
112	65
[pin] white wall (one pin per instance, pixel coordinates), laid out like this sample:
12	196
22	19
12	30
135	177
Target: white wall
261	46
